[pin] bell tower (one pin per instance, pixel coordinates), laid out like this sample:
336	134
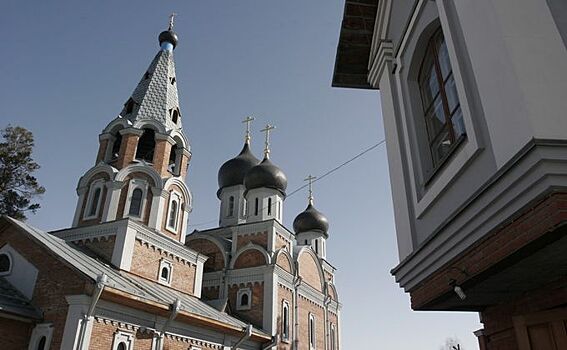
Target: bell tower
143	156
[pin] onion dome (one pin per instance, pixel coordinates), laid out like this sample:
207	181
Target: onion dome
311	219
266	175
232	172
168	36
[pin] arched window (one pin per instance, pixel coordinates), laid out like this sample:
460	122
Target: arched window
121	346
311	331
173	208
231	206
93	205
443	114
256	203
115	152
5	264
164	272
41	343
136	202
146	146
129	106
317	246
285	320
175	115
244	300
269	206
333	338
172	164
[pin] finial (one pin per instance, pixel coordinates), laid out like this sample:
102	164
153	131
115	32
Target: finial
171	18
267	130
248	121
310	179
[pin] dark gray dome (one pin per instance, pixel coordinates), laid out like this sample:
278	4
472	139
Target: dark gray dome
311	219
266	174
232	172
168	36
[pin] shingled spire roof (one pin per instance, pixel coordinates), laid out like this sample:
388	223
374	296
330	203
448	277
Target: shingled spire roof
155	97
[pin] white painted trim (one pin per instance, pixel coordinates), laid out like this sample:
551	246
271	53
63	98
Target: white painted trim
113	190
132	185
312	332
22	274
81	192
165	264
198	286
124	248
41	330
251	246
285	337
97	184
10	263
239	294
178	211
78	306
123	337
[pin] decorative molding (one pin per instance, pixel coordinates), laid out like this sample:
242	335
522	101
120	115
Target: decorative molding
384	55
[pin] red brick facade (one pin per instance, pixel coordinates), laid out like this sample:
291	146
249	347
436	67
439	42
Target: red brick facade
215	261
256	313
15	334
309	271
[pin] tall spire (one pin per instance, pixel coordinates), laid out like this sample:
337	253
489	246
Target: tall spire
267	130
248	121
310	180
156	97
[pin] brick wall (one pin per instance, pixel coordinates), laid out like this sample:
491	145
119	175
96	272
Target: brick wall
204	246
55	280
102	336
530	225
256	312
146	263
259	238
102	247
14	334
305	307
127	150
101	151
309	271
250	258
285	294
161	157
210	293
282	243
283	261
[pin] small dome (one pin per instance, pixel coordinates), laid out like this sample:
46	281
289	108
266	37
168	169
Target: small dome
266	174
232	172
311	219
168	36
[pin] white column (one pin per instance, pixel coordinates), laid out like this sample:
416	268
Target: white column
82	194
158	205
78	307
113	189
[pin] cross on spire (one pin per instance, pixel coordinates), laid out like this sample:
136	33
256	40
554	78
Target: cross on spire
267	130
310	180
171	18
248	121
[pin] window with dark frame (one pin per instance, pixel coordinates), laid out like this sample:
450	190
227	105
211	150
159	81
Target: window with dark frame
285	321
94	202
244	299
269	206
231	206
136	202
442	110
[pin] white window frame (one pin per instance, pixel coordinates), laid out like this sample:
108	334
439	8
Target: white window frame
121	336
230	213
174	195
312	333
41	330
333	336
6	273
165	264
133	184
285	337
239	294
97	184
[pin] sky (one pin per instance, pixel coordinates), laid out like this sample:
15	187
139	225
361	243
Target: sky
67	68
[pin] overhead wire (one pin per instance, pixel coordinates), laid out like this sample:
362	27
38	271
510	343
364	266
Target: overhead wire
318	178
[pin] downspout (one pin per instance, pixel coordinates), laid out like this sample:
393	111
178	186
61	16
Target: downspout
326	302
247	334
275	341
101	281
296	283
175	308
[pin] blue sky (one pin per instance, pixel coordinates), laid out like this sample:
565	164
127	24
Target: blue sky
67	67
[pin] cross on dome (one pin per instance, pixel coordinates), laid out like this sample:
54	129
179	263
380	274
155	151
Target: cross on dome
248	121
171	18
267	130
310	180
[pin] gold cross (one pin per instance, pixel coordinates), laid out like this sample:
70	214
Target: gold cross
311	179
248	121
267	130
171	17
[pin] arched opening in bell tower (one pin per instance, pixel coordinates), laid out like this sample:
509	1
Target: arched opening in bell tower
146	146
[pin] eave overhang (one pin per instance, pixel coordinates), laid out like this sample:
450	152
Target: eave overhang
354	47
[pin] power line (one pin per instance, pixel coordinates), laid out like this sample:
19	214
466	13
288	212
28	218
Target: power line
317	179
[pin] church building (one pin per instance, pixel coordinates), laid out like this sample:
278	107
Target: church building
127	276
473	97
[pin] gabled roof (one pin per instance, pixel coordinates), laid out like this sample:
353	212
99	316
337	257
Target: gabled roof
355	41
14	302
86	263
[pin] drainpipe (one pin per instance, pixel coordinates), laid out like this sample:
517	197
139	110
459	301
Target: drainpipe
175	307
274	342
101	281
296	283
326	302
247	334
